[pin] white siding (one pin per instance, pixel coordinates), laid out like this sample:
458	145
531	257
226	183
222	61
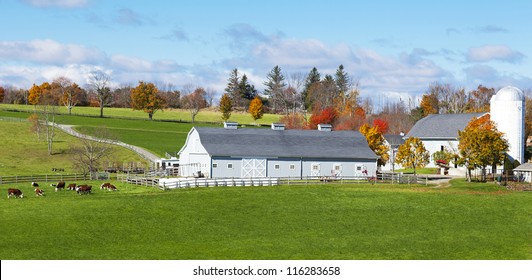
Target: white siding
193	157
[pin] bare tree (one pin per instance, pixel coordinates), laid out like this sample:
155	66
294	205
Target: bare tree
194	102
99	82
87	154
210	93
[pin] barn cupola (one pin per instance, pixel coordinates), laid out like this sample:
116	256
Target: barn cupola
230	125
324	127
278	126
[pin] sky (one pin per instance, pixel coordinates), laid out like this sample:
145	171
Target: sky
394	49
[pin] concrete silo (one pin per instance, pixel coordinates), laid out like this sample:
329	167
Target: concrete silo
507	110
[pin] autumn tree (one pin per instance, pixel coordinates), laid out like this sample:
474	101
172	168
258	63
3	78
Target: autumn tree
326	115
99	82
2	94
194	102
480	144
429	104
412	154
225	107
294	121
381	125
479	99
376	143
68	91
255	108
146	97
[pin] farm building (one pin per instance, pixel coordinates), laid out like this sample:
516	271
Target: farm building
524	172
393	141
251	152
440	131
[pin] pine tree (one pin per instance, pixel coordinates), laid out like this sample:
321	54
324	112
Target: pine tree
247	90
343	82
233	86
275	86
313	78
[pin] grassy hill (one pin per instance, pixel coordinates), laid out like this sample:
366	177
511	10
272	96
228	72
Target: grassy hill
473	221
23	154
181	115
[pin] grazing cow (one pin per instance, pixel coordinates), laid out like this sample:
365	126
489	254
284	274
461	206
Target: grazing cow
39	192
71	187
34	184
14	192
83	189
105	186
59	186
112	188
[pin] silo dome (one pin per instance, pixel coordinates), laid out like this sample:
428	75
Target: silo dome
509	93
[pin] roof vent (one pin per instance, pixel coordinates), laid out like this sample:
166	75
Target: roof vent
230	125
278	126
324	127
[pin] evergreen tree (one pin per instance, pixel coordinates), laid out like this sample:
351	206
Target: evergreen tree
275	86
247	90
233	86
313	78
343	82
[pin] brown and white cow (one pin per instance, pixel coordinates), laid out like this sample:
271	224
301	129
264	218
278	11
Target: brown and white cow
39	192
59	186
112	188
71	187
108	186
14	192
83	189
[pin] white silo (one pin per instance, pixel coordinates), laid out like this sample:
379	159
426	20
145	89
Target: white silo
507	110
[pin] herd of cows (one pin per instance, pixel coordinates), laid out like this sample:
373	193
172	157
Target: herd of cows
80	189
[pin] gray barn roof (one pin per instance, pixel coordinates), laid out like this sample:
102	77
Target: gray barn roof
441	125
285	143
394	140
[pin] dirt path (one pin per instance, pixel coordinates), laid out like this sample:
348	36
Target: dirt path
140	151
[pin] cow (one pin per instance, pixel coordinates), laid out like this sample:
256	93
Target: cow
14	192
105	186
59	186
112	188
83	189
39	192
34	184
71	187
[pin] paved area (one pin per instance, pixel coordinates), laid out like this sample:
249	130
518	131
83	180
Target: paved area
140	151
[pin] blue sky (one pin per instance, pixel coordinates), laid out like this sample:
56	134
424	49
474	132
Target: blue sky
395	49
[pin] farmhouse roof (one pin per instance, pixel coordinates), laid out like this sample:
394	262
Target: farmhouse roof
440	126
524	167
394	140
254	142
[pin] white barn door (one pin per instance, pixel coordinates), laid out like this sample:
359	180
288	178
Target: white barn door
253	168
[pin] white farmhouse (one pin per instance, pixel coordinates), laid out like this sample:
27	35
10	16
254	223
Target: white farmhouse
244	153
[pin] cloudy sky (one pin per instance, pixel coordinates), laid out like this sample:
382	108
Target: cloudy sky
393	48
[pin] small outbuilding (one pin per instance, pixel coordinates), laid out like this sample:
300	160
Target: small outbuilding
524	172
254	153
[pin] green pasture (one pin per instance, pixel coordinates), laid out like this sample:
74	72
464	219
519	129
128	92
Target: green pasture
22	153
181	115
361	221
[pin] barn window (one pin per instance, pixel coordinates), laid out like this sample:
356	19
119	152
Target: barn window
359	168
277	166
315	167
229	166
441	148
292	166
337	167
214	165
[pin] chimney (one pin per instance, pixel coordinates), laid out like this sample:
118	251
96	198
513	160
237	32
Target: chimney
277	126
324	127
230	125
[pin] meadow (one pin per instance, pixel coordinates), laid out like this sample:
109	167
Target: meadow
464	221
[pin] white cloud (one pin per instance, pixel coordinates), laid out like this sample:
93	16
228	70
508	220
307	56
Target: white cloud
57	3
49	52
494	52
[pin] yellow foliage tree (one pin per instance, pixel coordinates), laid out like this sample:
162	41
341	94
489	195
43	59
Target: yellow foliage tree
255	108
146	97
412	154
226	106
480	145
376	143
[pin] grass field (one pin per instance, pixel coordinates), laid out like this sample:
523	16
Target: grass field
206	115
466	221
23	154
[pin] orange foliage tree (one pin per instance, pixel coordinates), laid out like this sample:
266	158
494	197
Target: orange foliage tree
146	97
255	108
381	125
294	121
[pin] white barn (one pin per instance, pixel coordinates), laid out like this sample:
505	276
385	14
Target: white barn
440	131
252	152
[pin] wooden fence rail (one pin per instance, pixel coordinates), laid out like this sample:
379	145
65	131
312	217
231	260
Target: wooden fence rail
53	178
